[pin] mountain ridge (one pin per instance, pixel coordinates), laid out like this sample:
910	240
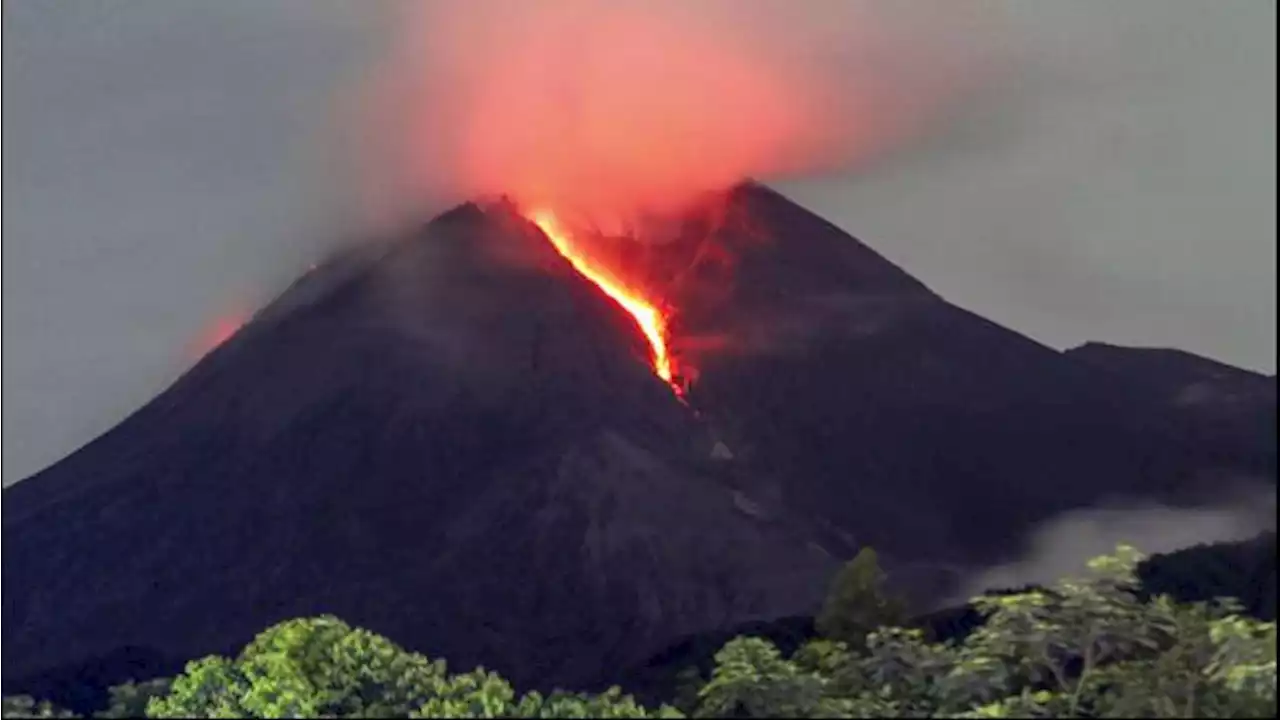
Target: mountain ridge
343	389
456	441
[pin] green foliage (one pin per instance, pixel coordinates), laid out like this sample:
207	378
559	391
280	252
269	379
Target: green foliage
482	694
857	604
1084	648
1042	635
130	700
210	688
1027	704
321	667
1089	648
610	704
689	682
752	679
1244	661
22	706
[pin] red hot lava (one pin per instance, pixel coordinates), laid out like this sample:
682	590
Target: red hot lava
648	316
601	111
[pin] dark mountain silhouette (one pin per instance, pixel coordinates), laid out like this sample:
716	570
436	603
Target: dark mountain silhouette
870	404
454	440
1224	414
459	445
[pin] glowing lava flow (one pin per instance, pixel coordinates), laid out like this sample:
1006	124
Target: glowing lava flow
650	319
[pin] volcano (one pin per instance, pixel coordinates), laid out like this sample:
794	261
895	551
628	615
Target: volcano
862	399
457	440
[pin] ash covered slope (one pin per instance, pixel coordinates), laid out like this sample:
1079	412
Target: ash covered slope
458	444
866	401
1215	408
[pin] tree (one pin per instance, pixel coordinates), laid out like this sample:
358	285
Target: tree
1092	647
321	667
130	700
857	603
1184	678
688	685
609	704
481	694
1084	648
209	688
751	679
306	668
23	706
1089	647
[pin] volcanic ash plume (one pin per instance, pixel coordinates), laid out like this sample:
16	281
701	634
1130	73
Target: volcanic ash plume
602	109
607	117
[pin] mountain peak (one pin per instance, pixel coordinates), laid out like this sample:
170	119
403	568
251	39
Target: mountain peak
458	443
457	440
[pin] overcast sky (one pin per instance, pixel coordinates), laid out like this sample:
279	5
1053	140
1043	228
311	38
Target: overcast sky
164	166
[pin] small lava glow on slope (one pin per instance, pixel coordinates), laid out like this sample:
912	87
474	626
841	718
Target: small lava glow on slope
216	334
648	316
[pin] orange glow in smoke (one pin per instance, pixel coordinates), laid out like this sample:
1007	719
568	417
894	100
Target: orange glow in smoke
650	319
605	114
609	109
213	336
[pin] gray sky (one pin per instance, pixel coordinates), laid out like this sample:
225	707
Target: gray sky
164	165
1120	187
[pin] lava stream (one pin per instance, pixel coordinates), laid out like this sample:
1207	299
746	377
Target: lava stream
651	320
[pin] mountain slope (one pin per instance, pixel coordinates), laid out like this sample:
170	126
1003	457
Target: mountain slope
870	404
1226	414
456	441
458	445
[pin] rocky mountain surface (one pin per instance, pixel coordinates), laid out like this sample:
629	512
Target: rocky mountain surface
454	440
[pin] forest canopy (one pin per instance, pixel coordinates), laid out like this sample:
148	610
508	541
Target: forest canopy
1090	647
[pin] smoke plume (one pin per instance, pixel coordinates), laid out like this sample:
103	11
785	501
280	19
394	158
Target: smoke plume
1063	545
607	109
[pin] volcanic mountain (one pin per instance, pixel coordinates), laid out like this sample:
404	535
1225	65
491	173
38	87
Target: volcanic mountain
457	440
865	402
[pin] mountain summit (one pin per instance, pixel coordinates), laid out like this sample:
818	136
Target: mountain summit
457	441
458	444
